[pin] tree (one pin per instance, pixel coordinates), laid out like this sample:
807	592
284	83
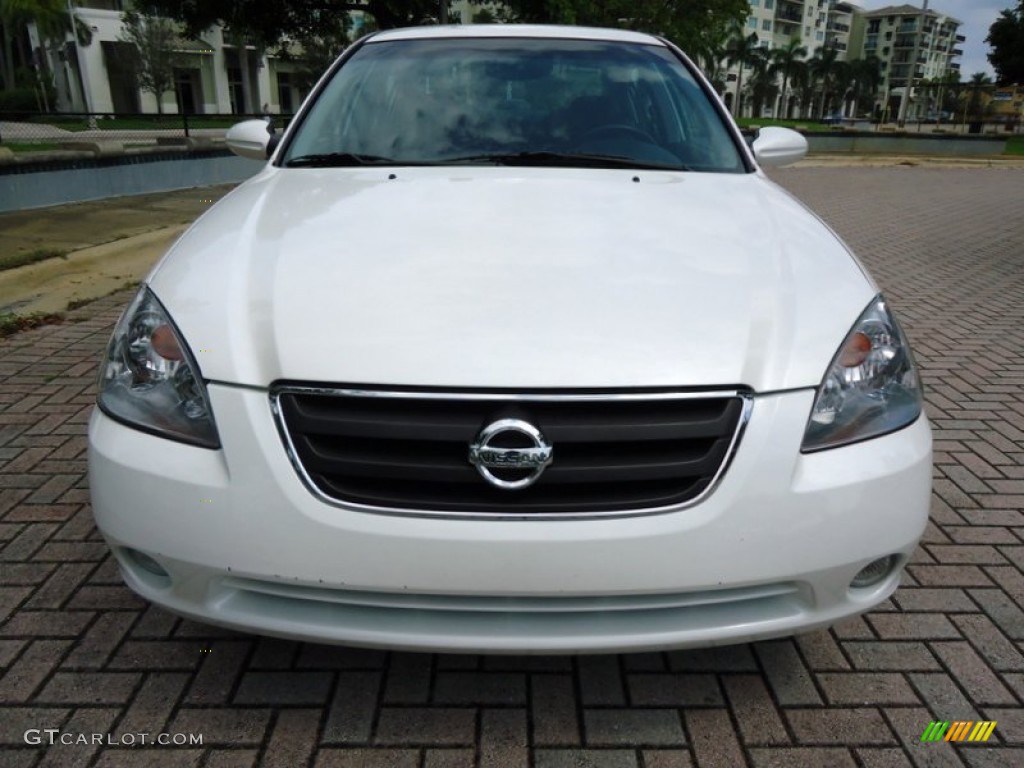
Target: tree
54	21
247	23
399	13
865	79
1006	38
264	25
979	83
690	24
829	71
786	61
762	85
153	59
742	52
319	44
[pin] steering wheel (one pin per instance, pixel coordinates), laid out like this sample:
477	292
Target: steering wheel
617	130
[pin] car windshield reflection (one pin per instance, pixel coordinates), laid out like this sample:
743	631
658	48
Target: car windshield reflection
536	102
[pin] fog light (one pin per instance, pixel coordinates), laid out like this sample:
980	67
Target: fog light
874	572
147	563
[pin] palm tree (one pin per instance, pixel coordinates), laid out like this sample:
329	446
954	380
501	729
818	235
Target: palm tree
742	51
825	67
762	84
710	51
785	61
866	77
979	83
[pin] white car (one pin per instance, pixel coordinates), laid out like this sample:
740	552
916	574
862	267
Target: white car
511	348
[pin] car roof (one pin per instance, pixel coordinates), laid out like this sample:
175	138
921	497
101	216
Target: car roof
535	31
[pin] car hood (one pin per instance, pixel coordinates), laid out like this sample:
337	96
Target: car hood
512	278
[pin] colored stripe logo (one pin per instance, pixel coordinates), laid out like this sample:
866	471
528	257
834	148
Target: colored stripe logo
958	730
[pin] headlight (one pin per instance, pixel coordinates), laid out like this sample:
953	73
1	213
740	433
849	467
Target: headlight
871	387
149	379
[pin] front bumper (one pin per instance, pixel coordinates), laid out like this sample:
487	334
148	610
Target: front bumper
242	543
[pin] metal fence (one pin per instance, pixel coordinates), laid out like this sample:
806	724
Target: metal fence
57	129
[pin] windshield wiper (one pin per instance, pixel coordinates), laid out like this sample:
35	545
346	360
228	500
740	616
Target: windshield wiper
564	160
340	160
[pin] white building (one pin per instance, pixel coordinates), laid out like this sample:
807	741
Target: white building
888	34
207	80
894	33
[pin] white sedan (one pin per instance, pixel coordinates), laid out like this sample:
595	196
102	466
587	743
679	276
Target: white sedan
511	347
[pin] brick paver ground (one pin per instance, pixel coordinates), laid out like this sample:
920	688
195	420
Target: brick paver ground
81	654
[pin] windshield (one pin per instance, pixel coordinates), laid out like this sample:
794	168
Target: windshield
514	101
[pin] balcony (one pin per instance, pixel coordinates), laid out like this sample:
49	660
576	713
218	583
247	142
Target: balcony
787	16
957	52
961	39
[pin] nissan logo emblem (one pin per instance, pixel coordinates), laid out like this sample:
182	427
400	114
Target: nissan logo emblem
510	448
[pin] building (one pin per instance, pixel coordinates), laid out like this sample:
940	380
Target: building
888	34
845	30
207	79
895	33
813	23
96	77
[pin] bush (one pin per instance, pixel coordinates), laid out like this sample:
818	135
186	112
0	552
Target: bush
20	100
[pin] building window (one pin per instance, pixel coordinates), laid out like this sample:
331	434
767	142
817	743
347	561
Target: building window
769	4
819	36
751	23
766	25
755	3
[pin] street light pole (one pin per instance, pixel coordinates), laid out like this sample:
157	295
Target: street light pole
905	101
444	11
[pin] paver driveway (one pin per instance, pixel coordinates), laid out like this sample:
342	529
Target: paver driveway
81	654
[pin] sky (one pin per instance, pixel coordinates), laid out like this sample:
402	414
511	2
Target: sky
977	16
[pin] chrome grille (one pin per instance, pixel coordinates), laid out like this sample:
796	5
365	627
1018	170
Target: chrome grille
408	451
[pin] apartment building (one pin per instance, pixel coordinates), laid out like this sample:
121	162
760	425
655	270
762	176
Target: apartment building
777	22
888	34
894	33
845	30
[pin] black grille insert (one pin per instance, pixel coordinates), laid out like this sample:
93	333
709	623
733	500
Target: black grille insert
412	453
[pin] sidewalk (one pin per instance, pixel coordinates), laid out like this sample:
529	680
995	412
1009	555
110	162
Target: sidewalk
107	244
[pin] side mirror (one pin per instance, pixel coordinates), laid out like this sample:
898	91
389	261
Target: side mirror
250	139
775	147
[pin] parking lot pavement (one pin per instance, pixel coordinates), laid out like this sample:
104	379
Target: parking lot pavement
82	655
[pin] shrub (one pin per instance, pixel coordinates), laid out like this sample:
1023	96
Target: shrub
19	100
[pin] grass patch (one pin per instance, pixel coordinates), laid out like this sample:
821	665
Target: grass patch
1015	146
31	146
810	125
15	260
79	303
11	322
